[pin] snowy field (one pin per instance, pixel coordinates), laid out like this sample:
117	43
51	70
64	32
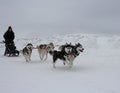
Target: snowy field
96	70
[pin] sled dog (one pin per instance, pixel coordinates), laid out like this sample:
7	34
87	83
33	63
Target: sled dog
67	53
27	51
44	49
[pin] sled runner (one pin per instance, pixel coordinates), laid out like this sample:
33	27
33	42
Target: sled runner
10	49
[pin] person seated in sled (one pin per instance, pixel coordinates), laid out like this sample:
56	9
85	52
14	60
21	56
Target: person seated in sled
9	37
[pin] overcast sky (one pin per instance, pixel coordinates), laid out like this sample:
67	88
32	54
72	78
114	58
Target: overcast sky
49	17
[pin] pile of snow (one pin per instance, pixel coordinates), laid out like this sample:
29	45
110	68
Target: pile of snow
95	41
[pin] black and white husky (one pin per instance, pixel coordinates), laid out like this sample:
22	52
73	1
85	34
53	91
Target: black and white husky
58	55
76	49
67	53
44	49
27	51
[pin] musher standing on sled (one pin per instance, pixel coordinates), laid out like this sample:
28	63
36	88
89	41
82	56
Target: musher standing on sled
9	37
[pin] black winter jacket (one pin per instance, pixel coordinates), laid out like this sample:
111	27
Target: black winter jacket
9	36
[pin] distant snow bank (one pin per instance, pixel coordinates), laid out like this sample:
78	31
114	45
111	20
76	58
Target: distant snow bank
87	40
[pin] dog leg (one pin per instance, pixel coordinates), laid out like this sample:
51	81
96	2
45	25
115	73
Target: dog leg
46	57
39	52
54	65
42	57
70	64
54	61
26	58
67	62
64	62
29	58
71	59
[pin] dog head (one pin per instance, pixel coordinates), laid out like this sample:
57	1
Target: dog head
79	48
29	46
68	48
46	47
42	46
50	47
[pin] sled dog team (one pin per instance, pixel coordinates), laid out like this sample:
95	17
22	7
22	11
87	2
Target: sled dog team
67	52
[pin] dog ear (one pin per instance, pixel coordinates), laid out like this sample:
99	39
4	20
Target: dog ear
79	44
66	44
51	43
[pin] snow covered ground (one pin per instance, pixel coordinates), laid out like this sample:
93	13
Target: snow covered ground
96	70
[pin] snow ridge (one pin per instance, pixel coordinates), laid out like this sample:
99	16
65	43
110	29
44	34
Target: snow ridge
87	40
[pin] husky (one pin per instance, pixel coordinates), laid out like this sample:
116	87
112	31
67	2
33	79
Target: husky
27	51
76	49
67	53
62	54
58	55
44	49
